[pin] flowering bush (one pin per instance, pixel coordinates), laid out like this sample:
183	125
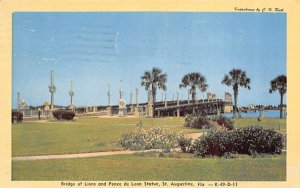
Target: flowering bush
197	121
155	138
256	139
248	140
224	121
185	144
214	144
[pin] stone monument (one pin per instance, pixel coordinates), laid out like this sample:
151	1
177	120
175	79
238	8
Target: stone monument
46	109
71	93
108	109
22	106
122	102
131	104
52	89
137	110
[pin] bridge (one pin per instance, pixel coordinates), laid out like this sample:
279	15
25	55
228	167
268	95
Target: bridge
204	106
179	107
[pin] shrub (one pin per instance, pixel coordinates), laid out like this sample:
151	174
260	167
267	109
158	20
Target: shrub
185	144
214	144
63	114
155	138
200	121
197	121
16	117
256	139
251	140
224	121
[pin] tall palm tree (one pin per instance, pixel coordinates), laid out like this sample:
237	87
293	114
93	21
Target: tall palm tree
194	80
236	78
153	80
279	83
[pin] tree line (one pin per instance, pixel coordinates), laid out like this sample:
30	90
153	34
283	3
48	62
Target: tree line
155	79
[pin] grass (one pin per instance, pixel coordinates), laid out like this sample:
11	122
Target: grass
267	123
101	134
139	167
96	134
84	135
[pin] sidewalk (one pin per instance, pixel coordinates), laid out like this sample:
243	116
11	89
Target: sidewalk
79	155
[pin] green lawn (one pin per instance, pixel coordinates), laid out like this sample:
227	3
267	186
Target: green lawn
96	134
101	134
137	167
84	135
267	123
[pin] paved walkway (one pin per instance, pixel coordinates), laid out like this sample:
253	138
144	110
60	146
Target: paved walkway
77	155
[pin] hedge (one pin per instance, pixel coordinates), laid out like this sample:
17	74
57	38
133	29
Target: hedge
63	114
248	140
16	117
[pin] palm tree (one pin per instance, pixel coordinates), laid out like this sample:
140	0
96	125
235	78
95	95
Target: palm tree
194	80
279	83
153	80
236	78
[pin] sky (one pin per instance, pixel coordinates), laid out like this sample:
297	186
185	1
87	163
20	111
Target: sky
97	49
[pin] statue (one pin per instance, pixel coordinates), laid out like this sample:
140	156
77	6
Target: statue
122	102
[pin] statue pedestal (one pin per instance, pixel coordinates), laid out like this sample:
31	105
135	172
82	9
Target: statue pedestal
136	111
108	109
122	107
149	111
122	112
51	117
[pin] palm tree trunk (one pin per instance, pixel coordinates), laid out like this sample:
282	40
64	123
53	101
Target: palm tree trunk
193	91
153	101
193	98
235	105
281	101
235	95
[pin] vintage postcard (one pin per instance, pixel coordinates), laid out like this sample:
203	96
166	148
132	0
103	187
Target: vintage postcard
149	94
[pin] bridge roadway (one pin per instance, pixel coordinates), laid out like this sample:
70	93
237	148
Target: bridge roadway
204	106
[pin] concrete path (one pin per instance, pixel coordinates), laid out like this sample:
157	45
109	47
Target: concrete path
78	155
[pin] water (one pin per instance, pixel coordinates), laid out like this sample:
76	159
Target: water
253	114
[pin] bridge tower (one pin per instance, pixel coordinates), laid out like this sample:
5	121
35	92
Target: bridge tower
228	103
